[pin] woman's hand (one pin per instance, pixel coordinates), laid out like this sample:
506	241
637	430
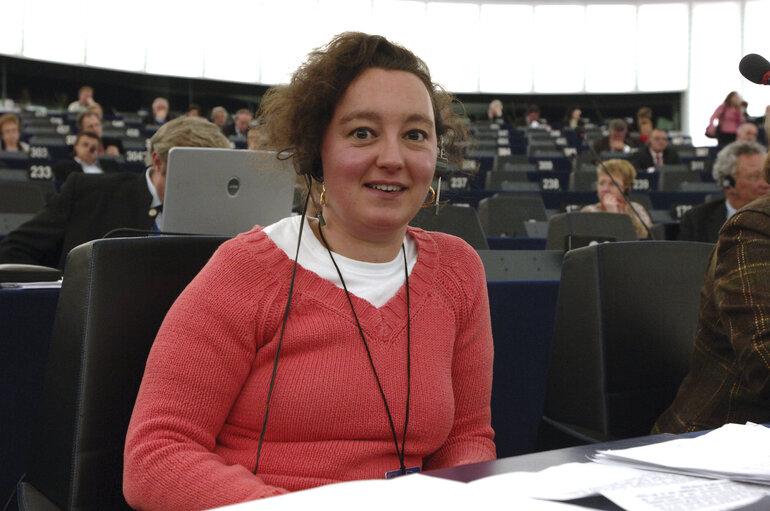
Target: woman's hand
612	204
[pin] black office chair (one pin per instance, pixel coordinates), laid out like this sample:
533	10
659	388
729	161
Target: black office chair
460	221
623	335
641	198
19	201
520	186
521	264
114	297
509	162
582	181
615	155
14	159
496	179
565	229
707	186
506	215
585	166
674	167
672	180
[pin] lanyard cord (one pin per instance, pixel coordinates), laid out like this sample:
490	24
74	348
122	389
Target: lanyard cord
399	452
280	338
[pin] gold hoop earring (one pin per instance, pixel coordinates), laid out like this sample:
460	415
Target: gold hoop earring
322	201
432	197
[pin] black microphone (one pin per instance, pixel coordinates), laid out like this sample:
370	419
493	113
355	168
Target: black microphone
755	68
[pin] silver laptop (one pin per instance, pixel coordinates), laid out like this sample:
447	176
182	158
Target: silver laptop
225	191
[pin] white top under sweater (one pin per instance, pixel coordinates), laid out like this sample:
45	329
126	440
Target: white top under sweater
374	282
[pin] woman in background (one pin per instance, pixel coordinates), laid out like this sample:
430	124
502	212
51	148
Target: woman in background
728	116
645	130
385	364
611	200
10	133
572	118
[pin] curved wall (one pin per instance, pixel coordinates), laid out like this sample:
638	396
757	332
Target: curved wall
489	47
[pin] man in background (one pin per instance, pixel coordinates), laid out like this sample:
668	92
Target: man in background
91	121
655	153
85	158
617	140
747	132
240	127
194	110
160	113
219	116
91	205
85	99
737	169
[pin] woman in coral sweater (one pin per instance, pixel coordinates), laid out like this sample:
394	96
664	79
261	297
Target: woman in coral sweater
329	348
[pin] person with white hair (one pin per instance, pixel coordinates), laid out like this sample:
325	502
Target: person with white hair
160	113
738	170
747	132
219	116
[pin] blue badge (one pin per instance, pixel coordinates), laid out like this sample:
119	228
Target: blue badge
397	472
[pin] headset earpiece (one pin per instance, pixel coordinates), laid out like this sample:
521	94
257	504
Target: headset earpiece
728	182
313	169
317	171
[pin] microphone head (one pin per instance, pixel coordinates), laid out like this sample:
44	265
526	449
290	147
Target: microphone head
755	68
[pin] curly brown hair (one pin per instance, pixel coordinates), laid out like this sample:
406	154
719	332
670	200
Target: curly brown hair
296	115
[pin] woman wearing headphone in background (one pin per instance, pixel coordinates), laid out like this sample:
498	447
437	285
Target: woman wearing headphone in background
378	334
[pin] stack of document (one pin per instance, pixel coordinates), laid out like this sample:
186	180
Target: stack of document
735	452
726	469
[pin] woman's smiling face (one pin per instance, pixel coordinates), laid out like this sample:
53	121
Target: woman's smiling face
379	155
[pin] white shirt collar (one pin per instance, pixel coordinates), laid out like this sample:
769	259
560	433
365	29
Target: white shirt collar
158	216
151	187
94	168
730	209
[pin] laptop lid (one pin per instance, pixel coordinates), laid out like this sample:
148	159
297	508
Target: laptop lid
225	191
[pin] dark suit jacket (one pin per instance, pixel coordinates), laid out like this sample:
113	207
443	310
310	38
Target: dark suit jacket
89	206
229	131
149	120
602	145
64	168
642	160
702	223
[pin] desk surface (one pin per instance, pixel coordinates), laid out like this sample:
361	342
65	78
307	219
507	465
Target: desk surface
542	460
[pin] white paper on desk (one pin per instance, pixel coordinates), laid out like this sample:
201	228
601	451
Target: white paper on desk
575	480
630	488
415	491
53	284
734	451
700	494
411	489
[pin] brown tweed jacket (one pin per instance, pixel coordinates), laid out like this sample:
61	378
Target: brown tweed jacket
729	379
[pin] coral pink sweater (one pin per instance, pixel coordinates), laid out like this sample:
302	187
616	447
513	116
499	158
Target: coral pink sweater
192	441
